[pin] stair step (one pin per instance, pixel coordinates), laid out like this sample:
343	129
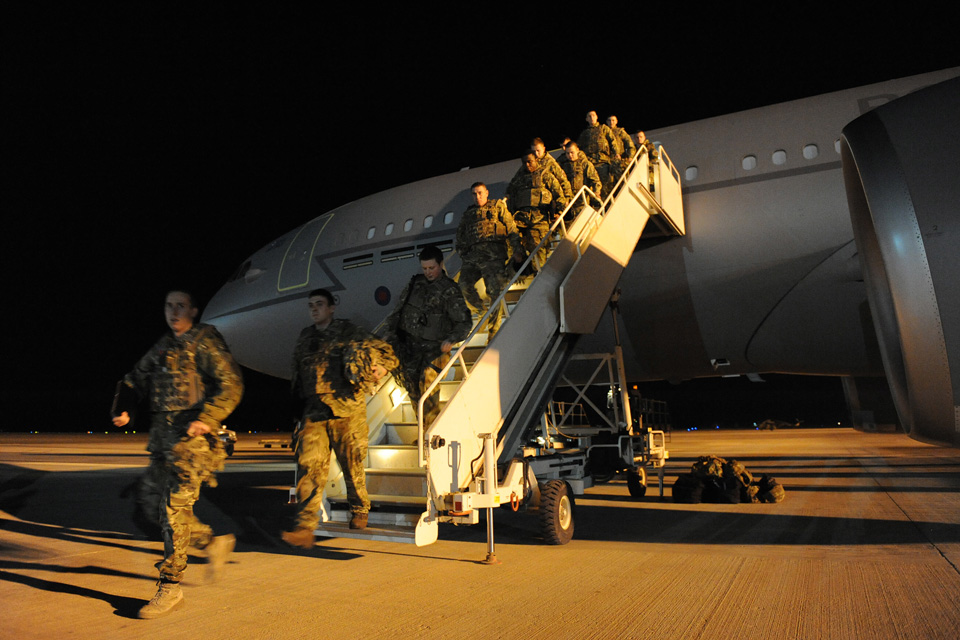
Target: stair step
400	434
386	500
392	456
399	482
383	533
406	472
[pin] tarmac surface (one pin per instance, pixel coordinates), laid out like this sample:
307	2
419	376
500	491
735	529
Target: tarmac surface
866	544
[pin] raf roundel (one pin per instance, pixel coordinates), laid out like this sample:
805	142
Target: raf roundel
382	296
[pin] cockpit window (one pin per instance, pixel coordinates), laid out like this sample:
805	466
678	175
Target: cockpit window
241	271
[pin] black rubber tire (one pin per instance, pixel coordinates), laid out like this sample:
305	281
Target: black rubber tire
602	478
637	482
556	512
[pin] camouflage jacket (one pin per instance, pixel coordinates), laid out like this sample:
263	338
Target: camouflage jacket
649	148
433	311
194	371
626	142
581	171
337	364
599	143
549	163
535	189
492	221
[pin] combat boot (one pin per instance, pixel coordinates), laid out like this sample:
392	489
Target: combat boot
218	551
169	597
302	538
358	521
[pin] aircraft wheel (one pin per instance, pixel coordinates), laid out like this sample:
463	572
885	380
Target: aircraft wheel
556	512
637	482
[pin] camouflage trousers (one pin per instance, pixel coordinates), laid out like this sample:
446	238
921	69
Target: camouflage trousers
608	174
420	363
179	465
318	434
533	226
486	260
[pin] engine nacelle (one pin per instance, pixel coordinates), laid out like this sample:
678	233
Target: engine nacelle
900	167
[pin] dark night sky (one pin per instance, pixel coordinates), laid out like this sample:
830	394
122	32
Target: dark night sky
158	145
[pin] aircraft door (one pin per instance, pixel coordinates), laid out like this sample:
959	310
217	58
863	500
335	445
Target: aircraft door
295	269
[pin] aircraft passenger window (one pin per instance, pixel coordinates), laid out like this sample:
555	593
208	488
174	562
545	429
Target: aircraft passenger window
749	163
811	151
779	157
388	229
691	173
448	217
408	225
372	231
836	145
428	222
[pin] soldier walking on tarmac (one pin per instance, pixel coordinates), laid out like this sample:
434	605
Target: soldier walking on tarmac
430	317
191	384
334	363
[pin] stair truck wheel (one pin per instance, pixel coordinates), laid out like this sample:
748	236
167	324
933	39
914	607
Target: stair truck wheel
637	482
556	512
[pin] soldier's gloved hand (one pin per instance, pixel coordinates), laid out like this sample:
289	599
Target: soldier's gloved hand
121	420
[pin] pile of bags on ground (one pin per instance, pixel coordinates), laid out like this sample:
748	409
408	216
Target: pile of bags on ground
715	480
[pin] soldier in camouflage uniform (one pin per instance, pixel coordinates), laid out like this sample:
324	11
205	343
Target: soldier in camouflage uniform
334	363
626	144
430	317
192	384
530	195
580	172
602	147
548	163
646	146
485	230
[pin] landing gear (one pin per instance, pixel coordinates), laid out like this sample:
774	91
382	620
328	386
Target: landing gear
637	482
556	512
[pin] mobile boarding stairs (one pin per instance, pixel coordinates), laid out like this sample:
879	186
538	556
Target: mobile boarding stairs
476	455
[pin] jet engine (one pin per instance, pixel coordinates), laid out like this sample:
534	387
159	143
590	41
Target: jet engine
900	168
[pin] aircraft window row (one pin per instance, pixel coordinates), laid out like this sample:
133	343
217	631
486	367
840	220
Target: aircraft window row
408	225
749	162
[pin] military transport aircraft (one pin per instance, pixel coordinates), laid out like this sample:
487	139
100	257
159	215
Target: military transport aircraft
821	238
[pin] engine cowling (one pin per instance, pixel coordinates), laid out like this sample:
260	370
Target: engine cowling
900	167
